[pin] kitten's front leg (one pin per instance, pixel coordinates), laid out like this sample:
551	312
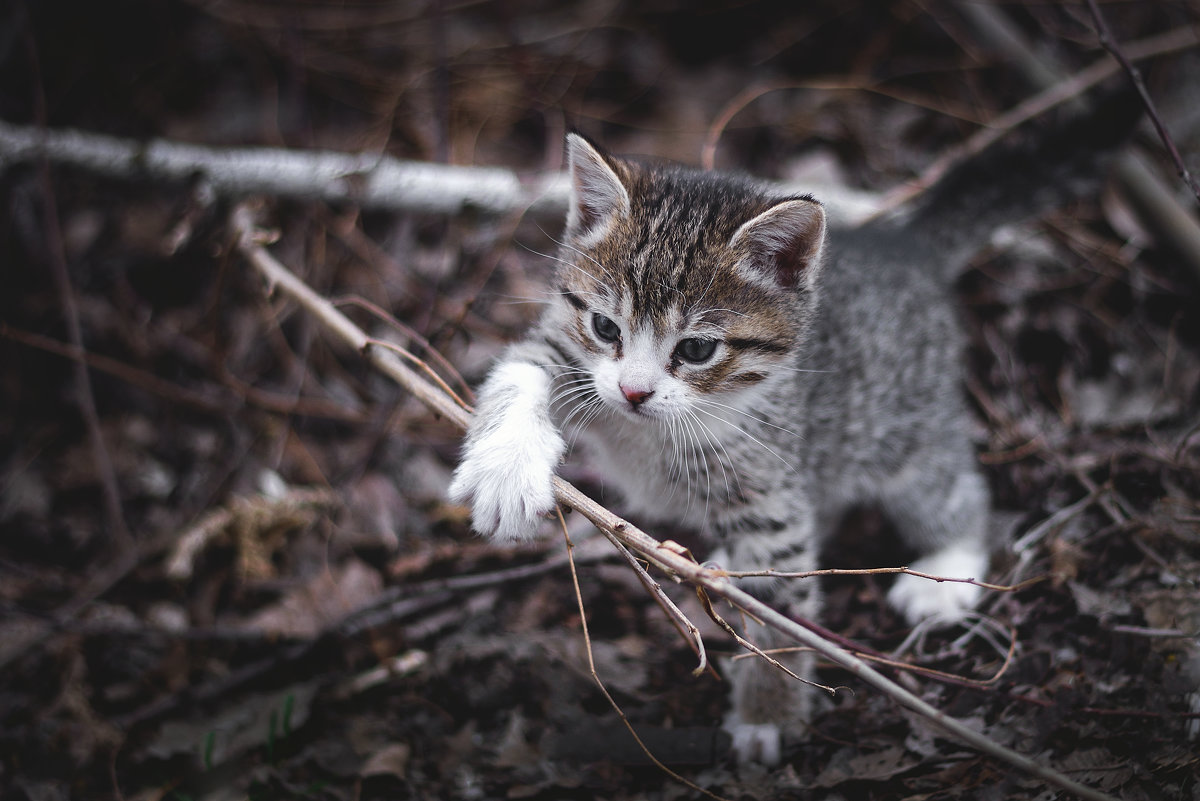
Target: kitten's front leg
510	454
768	704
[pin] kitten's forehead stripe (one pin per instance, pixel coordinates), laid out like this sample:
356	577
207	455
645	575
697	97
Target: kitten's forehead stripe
681	226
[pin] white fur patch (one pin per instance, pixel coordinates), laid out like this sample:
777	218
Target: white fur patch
756	742
918	598
507	469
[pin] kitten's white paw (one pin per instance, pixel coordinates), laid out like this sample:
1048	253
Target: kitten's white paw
756	742
507	469
948	601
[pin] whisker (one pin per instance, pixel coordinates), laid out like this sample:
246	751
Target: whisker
716	444
753	438
743	413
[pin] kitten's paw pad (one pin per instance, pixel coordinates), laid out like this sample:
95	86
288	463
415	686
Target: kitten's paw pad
756	742
947	601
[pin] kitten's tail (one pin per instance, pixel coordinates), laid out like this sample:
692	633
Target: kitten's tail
1041	165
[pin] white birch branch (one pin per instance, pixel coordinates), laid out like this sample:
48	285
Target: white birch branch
369	180
666	556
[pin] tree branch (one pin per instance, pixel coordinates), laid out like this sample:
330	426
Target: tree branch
369	180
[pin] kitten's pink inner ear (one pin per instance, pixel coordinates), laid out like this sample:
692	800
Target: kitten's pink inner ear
784	242
597	194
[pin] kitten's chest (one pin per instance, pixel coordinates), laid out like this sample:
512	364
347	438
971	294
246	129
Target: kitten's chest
687	476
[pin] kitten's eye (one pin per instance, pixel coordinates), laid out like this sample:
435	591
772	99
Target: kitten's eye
696	350
605	328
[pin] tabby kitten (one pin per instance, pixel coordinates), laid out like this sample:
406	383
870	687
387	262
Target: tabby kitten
731	365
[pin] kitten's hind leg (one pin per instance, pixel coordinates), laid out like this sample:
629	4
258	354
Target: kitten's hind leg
943	513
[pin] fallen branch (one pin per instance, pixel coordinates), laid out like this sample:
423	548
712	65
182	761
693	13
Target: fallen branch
368	180
667	556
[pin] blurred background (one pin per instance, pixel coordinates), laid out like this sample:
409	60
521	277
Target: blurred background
227	567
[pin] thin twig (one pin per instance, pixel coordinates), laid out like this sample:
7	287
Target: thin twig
665	555
587	641
85	400
876	571
687	629
938	675
421	365
754	650
1135	76
414	335
1055	94
1154	203
176	394
752	93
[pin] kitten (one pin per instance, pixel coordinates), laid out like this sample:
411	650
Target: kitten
734	366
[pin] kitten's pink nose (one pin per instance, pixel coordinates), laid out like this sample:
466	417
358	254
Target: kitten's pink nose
636	397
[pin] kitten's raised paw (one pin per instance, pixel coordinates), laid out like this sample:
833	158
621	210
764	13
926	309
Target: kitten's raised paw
948	601
756	742
507	470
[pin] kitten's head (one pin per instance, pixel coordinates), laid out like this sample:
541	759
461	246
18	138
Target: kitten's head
678	287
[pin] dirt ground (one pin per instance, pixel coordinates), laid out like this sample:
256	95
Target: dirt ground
227	565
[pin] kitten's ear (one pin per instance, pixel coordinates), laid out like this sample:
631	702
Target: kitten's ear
783	244
597	194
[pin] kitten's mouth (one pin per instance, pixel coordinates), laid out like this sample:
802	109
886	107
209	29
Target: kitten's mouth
639	412
632	411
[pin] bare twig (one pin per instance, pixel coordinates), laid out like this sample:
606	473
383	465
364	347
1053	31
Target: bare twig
1135	76
665	555
687	629
754	649
1053	94
875	571
118	531
938	675
413	334
193	399
587	640
752	93
370	180
1154	203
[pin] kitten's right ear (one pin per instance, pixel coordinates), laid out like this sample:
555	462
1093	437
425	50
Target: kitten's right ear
597	194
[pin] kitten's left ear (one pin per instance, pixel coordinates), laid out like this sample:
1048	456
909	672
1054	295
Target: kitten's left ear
597	194
783	244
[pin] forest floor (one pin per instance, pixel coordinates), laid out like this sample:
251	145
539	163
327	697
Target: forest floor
228	568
